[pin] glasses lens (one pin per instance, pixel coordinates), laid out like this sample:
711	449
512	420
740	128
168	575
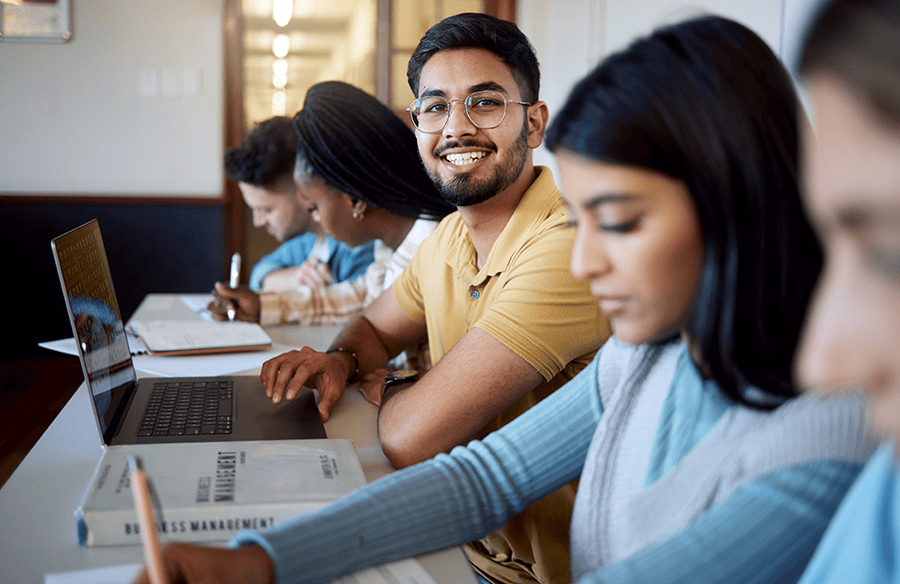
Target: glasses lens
429	113
486	108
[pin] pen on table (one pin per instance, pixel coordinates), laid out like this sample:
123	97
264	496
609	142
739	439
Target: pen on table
233	280
140	489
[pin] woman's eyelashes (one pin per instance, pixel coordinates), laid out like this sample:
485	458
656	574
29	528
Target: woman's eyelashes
618	226
607	226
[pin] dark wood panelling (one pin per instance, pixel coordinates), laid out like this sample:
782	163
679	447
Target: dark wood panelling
32	393
151	248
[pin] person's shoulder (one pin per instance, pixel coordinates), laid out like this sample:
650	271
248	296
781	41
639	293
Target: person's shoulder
303	239
449	230
420	231
811	427
543	207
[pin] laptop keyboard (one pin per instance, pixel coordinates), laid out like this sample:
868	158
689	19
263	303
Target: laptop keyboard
188	407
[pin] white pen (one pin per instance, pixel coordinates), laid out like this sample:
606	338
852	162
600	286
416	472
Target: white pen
233	280
140	489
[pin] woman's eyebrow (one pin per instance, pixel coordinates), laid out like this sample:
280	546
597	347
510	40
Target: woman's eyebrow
860	218
604	198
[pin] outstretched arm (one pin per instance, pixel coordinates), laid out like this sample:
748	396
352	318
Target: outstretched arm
367	346
445	501
474	382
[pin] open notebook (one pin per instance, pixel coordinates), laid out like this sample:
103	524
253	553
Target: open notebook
187	337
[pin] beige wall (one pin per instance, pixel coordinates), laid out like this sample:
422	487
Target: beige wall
131	105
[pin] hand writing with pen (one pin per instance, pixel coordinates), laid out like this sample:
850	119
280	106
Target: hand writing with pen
241	299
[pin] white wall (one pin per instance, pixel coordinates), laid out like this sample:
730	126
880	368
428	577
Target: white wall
569	40
73	118
571	36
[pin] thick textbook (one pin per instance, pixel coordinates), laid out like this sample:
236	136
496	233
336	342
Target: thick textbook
193	337
208	491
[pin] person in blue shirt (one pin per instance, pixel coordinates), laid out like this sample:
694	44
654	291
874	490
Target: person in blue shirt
851	65
697	459
263	167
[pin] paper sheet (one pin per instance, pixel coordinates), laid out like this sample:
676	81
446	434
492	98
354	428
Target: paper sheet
198	303
110	575
402	572
193	365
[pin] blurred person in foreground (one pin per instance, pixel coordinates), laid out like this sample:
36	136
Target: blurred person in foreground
851	66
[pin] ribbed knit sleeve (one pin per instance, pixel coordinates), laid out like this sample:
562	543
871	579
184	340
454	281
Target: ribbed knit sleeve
764	533
448	500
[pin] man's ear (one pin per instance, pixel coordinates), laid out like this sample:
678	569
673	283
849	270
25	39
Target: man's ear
538	115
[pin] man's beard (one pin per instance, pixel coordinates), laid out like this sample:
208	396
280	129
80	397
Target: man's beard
464	191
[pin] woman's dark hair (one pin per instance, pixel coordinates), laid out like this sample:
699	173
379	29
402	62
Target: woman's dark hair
355	144
266	155
857	41
708	103
472	30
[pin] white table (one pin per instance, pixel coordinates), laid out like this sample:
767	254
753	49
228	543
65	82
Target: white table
37	503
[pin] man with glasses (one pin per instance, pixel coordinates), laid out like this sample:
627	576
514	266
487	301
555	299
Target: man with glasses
490	289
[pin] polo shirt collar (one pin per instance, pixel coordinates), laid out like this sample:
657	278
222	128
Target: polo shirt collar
535	206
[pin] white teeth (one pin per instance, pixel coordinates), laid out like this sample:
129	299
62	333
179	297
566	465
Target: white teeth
465	158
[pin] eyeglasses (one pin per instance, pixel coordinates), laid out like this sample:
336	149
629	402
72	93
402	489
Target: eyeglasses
485	109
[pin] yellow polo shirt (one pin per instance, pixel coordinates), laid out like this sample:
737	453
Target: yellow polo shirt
526	298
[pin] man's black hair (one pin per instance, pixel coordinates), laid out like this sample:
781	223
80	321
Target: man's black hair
480	31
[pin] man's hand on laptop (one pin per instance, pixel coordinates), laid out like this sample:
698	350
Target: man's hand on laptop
244	300
285	375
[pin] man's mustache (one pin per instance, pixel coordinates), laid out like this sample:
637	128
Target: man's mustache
462	144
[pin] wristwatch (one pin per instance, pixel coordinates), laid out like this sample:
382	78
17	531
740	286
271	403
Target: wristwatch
400	376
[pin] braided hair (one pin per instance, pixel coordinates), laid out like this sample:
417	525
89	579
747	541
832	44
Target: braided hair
357	145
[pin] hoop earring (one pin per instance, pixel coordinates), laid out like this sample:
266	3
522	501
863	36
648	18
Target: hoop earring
359	212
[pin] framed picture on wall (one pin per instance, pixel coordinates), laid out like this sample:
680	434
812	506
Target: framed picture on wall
35	21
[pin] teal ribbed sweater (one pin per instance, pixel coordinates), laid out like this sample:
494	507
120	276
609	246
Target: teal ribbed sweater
756	518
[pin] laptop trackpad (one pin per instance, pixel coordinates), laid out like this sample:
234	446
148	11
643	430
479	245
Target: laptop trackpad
256	416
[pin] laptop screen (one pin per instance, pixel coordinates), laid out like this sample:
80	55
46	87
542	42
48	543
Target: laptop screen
96	321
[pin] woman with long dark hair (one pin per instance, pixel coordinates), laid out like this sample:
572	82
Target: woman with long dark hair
851	65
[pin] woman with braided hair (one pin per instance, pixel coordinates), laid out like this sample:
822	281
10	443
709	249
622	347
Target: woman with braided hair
358	168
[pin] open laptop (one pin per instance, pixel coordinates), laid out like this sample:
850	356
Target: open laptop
150	410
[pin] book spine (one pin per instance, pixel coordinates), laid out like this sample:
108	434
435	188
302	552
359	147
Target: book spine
120	527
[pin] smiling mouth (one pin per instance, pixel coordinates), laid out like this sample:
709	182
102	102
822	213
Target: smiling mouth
464	158
611	306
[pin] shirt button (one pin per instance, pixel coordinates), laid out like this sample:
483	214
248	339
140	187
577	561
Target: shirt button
475	294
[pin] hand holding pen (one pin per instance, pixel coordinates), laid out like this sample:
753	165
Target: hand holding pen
234	302
188	563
